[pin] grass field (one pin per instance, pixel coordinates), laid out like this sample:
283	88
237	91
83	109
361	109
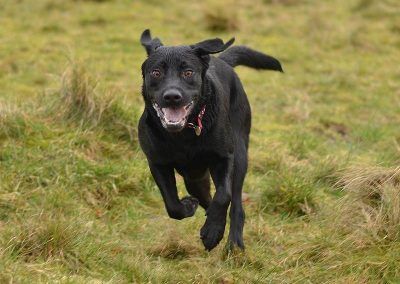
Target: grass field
78	204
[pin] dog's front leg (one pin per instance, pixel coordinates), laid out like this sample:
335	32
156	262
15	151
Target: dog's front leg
164	177
213	230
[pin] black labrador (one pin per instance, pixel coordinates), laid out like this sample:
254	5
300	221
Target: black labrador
197	121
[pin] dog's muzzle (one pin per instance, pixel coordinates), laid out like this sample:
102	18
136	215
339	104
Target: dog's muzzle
173	119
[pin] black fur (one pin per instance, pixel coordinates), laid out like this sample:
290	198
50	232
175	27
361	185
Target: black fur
184	79
242	55
149	44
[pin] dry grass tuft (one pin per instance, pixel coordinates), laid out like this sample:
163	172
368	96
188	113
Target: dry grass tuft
368	181
12	122
79	98
174	247
82	103
45	237
372	207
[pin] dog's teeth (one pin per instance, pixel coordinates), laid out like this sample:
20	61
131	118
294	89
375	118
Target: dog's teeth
188	106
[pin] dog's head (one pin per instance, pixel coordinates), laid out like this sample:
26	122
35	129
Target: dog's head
173	77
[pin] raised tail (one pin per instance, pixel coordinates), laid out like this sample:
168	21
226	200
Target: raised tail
242	55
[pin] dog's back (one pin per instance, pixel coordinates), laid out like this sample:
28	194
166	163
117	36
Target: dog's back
239	108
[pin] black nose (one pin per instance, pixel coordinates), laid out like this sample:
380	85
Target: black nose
172	96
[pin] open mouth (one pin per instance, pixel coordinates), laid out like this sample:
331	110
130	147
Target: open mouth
173	119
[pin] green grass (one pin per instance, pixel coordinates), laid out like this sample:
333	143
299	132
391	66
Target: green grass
77	201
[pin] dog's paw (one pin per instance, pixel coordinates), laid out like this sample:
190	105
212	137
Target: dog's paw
235	240
190	205
234	245
212	233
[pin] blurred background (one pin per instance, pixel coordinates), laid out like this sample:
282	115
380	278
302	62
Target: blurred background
78	204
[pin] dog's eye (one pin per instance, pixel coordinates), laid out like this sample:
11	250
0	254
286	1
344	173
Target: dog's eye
188	73
156	73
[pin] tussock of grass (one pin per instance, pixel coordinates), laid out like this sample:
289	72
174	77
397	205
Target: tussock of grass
366	181
12	122
288	184
288	193
327	170
221	16
45	237
358	232
174	247
372	207
78	100
50	237
82	103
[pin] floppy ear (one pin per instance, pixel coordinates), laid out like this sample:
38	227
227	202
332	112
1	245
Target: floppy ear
149	44
211	46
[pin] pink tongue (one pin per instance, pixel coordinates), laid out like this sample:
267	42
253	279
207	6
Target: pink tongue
174	114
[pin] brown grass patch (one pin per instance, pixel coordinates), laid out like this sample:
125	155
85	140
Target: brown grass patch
371	209
174	247
82	103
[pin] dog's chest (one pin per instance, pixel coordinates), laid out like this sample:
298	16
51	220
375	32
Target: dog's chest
187	152
183	153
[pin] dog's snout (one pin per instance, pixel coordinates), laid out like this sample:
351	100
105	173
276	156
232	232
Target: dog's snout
172	96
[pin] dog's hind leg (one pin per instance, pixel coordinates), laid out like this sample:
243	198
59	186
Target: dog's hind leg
236	213
198	185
